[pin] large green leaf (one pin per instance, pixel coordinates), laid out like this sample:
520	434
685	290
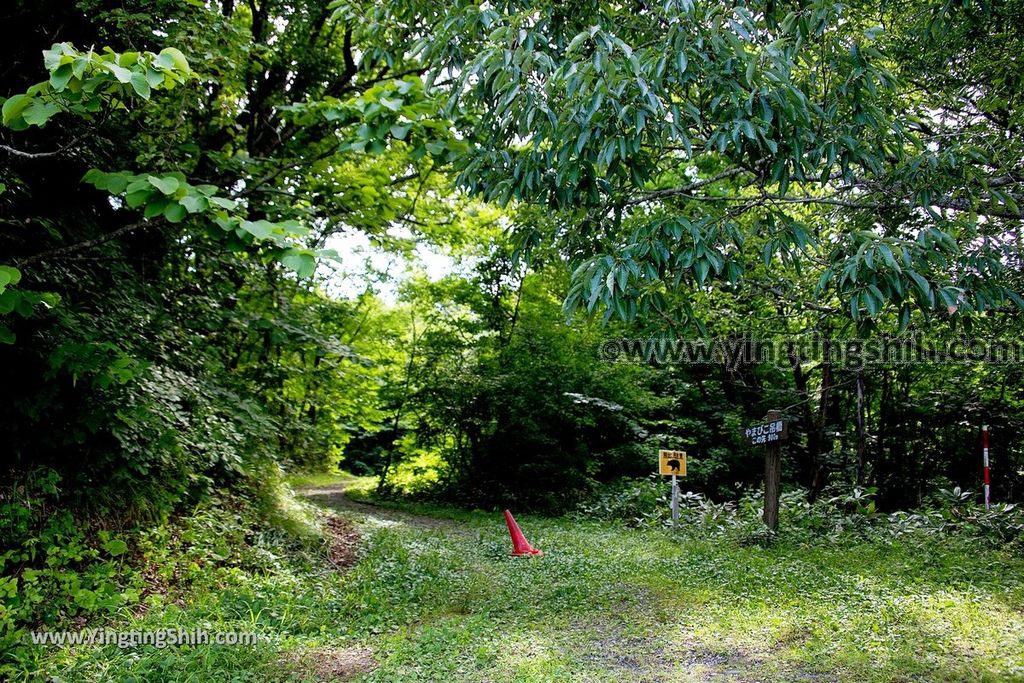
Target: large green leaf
174	58
302	262
166	184
13	106
39	112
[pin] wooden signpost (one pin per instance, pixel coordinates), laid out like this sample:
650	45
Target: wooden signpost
673	463
771	433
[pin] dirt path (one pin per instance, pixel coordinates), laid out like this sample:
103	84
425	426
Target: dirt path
333	497
343	539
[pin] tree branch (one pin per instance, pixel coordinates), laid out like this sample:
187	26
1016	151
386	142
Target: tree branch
685	189
782	296
952	203
28	155
87	244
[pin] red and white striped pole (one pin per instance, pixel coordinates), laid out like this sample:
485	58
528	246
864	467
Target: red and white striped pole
984	455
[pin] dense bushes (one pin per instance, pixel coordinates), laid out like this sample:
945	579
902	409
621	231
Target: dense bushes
505	402
59	570
836	516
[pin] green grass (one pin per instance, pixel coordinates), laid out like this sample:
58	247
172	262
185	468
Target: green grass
357	488
443	601
314	479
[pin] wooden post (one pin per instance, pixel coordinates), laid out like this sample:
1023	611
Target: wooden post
675	501
772	477
984	454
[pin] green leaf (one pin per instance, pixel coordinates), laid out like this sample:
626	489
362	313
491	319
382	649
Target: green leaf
39	112
921	284
392	103
13	106
399	131
872	302
7	335
1016	298
154	78
302	262
114	183
176	59
258	229
95	176
167	184
577	41
140	85
48	299
950	296
23	306
293	227
195	203
12	274
904	318
702	270
223	203
137	198
8	300
175	212
823	281
61	76
155	207
52	57
122	74
78	66
115	547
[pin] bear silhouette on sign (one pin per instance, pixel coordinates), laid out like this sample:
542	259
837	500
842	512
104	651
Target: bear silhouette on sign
673	465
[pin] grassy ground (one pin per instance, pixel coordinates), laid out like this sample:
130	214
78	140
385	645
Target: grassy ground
435	596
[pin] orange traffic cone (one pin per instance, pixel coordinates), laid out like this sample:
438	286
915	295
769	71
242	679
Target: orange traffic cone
520	546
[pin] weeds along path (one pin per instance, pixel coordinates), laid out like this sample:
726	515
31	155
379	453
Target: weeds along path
580	614
439	599
432	595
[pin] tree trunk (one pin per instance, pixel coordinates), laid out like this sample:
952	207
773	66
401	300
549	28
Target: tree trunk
772	478
822	444
389	455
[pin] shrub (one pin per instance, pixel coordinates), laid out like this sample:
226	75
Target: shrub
848	513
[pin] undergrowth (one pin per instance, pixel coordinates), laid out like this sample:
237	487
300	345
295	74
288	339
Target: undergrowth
837	515
62	572
439	598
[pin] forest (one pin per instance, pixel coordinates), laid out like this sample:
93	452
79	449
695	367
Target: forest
297	296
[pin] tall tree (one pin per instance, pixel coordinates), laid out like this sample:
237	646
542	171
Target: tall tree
654	127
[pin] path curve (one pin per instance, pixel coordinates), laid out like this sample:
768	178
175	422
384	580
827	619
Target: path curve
333	497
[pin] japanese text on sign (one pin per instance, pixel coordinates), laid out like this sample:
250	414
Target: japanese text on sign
769	432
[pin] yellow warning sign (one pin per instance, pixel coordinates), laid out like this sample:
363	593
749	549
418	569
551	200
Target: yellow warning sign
672	462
